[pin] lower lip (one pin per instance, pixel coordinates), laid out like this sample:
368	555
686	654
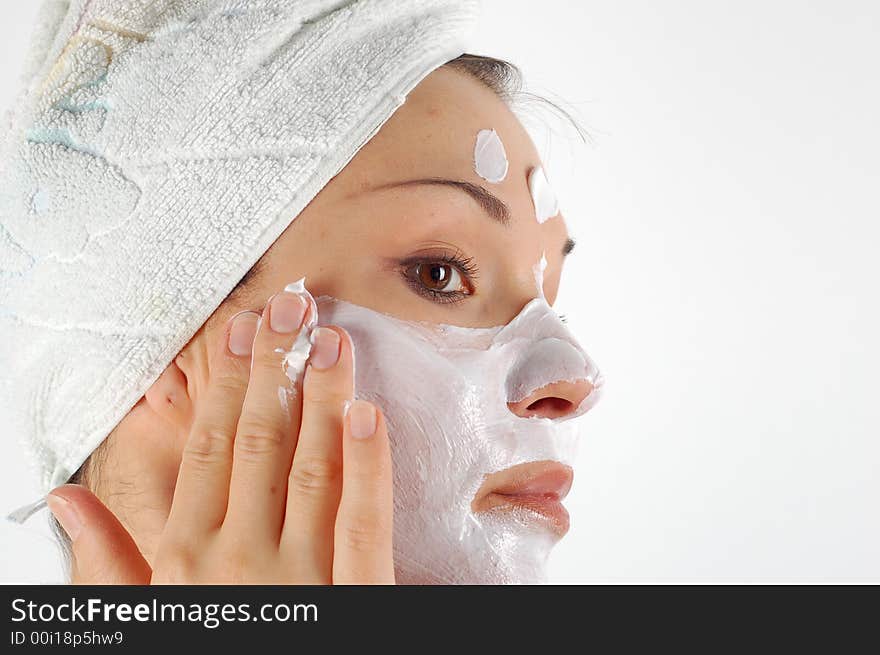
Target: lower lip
546	508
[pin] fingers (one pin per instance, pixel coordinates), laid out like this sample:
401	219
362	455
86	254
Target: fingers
202	491
269	424
315	483
363	531
266	459
104	552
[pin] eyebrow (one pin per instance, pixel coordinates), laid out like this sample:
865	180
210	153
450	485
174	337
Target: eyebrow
496	208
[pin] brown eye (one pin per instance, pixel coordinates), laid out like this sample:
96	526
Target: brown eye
440	277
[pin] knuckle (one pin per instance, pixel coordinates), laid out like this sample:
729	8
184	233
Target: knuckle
231	381
324	395
363	534
265	357
258	439
206	445
372	476
376	473
314	475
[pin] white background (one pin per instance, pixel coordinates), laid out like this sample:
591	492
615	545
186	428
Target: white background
725	280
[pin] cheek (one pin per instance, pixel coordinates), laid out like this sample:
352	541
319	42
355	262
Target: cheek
552	236
552	277
323	244
433	409
433	414
444	392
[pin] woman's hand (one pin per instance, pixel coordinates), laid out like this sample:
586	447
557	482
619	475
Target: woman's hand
265	493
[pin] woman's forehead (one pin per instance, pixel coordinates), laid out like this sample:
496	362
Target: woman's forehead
435	131
432	138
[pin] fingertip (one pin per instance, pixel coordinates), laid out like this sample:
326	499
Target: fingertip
332	353
361	419
365	520
368	450
344	335
104	551
240	332
381	428
346	349
345	342
69	493
332	347
73	505
63	508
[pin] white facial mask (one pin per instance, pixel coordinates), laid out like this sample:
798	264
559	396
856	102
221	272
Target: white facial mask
490	159
444	391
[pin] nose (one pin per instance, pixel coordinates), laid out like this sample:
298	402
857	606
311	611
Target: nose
554	400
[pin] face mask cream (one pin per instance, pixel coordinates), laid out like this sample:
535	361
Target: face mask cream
445	392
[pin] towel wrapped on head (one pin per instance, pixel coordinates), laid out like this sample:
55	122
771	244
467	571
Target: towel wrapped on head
156	152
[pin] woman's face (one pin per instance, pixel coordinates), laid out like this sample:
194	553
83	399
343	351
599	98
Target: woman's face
428	252
363	236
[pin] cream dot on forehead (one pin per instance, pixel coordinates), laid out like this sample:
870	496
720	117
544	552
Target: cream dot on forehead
543	196
490	160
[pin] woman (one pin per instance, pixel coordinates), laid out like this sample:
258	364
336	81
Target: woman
238	466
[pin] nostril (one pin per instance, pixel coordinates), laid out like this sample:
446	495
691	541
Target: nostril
551	407
555	400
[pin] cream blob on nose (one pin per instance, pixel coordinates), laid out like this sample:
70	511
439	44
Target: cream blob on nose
550	379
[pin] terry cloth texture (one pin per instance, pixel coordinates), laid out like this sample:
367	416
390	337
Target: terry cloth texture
157	150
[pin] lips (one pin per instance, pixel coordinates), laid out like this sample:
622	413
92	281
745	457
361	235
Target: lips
535	487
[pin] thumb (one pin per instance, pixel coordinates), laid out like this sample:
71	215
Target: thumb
103	551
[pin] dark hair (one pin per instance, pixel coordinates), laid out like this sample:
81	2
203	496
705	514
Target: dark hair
501	76
504	78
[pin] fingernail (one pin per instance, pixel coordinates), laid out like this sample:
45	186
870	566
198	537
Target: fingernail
242	333
362	419
325	348
66	515
286	312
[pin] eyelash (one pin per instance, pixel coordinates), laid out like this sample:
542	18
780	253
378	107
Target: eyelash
465	265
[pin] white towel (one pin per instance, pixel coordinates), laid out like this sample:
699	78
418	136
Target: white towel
157	151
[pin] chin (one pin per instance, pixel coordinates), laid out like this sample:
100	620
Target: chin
489	548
